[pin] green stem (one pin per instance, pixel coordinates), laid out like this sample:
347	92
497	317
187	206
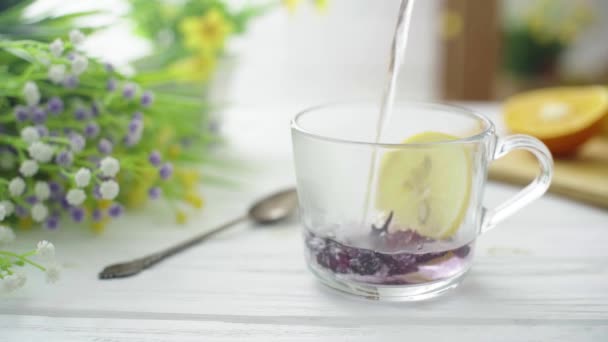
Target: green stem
26	260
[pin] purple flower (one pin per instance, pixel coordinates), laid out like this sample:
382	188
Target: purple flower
71	81
166	171
91	130
77	142
64	158
39	115
154	192
147	98
31	199
21	113
71	56
115	210
55	188
81	114
132	139
108	66
111	85
97	215
52	222
42	130
20	211
64	203
154	158
104	146
95	109
77	214
128	91
135	126
97	192
137	116
55	105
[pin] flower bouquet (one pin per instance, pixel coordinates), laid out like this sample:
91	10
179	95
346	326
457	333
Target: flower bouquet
81	142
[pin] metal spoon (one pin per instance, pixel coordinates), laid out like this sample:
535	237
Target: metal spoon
265	211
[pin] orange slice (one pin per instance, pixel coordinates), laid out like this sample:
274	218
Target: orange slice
563	118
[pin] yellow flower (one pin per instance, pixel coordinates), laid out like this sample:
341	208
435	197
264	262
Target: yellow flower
99	226
149	176
321	5
104	204
181	217
174	151
291	4
207	32
137	197
165	135
25	223
197	68
194	200
189	178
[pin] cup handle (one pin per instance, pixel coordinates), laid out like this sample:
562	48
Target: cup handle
534	190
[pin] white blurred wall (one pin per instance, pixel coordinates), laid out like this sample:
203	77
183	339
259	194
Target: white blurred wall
342	54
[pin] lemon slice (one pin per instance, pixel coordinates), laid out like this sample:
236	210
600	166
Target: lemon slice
426	187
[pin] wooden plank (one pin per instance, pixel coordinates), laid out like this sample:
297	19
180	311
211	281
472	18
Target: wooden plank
49	329
470	56
583	178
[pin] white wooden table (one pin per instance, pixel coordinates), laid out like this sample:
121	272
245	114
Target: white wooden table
541	276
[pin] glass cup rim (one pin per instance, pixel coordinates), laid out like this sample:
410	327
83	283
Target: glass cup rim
487	130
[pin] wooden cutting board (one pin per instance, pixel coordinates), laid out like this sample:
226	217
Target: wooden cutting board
583	177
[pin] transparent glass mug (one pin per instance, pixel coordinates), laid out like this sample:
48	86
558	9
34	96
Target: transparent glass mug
397	219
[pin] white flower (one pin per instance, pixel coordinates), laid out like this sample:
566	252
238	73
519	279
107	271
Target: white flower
109	166
16	187
45	249
28	168
12	282
56	47
2	212
52	273
8	207
6	235
57	73
109	189
42	190
82	177
41	152
76	37
75	197
79	64
77	142
39	212
31	93
30	134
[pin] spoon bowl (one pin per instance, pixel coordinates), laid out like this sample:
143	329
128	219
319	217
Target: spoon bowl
274	208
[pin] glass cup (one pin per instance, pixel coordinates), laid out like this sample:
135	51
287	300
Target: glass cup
396	219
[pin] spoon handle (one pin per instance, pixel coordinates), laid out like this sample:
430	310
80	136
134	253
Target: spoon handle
129	268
